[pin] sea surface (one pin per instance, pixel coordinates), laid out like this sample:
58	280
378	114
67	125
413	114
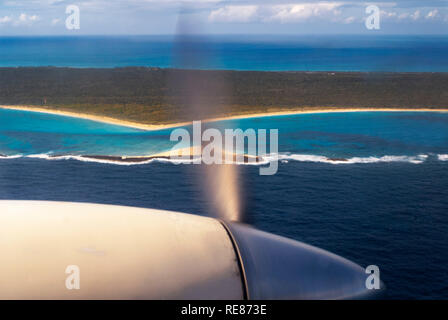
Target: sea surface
403	53
370	186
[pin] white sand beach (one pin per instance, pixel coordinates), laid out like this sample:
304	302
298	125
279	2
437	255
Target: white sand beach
154	127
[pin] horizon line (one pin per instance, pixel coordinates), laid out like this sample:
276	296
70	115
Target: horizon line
223	34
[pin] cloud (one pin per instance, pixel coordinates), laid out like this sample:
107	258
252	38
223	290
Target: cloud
349	20
21	20
432	14
285	13
25	19
334	12
302	12
416	15
388	14
5	19
233	14
403	16
271	16
343	12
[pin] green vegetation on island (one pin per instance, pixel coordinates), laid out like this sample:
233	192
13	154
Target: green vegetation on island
147	95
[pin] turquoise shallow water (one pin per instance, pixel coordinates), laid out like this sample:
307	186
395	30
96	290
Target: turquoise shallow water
325	137
32	133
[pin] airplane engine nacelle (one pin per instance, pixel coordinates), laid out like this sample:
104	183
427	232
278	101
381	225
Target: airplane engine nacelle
59	250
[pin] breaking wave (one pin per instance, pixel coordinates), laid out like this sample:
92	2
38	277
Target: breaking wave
284	158
10	157
112	160
315	158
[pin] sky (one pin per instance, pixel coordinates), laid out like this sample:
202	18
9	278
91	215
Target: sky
134	17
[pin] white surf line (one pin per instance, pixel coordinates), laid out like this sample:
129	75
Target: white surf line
285	158
353	160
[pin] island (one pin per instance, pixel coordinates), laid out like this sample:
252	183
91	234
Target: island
154	98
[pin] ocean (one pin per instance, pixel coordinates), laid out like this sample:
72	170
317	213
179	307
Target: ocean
370	186
251	52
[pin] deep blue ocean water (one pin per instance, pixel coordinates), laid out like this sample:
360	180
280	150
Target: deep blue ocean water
251	52
393	215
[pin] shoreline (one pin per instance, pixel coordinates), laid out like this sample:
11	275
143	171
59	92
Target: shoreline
103	119
155	127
